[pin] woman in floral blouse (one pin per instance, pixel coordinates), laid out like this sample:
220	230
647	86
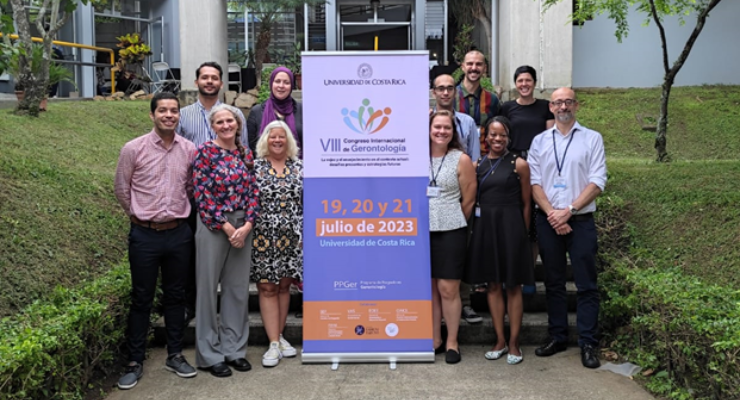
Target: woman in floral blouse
227	197
277	253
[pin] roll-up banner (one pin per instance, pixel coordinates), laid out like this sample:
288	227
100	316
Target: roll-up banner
367	288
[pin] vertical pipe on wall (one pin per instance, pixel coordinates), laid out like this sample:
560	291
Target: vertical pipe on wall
445	32
494	42
305	26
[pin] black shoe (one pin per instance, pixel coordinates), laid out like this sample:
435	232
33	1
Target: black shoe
441	349
471	316
550	348
452	357
589	356
220	370
240	364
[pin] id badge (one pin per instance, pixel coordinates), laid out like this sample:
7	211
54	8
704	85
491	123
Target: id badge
477	212
560	184
433	191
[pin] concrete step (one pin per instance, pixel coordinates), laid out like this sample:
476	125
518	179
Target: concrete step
534	330
536	302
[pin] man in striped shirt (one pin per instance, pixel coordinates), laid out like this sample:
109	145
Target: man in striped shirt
195	127
153	184
194	124
472	99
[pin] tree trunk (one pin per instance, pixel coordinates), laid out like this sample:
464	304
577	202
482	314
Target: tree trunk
263	41
660	136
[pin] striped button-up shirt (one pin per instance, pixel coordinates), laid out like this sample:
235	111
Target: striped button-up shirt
154	183
194	125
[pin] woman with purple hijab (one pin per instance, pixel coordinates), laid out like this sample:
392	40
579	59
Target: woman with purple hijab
280	106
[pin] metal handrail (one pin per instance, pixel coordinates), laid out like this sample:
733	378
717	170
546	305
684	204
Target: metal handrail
82	46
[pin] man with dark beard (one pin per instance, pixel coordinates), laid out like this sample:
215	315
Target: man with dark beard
195	127
472	99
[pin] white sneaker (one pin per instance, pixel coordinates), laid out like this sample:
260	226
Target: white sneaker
272	356
286	349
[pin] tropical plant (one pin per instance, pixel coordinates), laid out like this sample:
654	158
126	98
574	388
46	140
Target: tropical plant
655	11
463	42
268	12
131	56
293	59
50	17
59	73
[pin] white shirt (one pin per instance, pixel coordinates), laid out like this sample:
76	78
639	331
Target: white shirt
584	163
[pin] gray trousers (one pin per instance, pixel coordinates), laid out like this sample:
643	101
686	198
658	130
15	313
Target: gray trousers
225	338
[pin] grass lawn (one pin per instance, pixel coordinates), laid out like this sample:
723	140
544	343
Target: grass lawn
59	220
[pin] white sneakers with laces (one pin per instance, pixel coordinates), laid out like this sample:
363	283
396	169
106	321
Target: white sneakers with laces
286	348
272	356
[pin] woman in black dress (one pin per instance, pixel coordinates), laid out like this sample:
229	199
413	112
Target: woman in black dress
499	249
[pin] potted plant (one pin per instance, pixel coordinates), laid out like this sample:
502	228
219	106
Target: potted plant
131	58
57	73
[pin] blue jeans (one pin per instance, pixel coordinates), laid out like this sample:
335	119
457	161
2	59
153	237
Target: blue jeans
581	245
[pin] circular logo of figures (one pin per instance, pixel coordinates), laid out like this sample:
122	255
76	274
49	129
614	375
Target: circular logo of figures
365	71
391	329
359	330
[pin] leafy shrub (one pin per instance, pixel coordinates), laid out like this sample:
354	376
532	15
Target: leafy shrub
264	92
52	349
663	319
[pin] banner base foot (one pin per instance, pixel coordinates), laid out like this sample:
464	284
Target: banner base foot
393	358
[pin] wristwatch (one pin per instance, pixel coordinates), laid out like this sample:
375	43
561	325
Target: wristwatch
572	209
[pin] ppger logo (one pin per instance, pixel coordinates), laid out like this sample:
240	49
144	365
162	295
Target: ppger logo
366	120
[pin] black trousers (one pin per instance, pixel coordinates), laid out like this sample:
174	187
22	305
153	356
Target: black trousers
149	251
581	246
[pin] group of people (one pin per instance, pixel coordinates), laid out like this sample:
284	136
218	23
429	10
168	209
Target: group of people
529	186
216	201
214	207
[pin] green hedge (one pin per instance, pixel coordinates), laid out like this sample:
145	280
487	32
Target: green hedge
53	348
654	314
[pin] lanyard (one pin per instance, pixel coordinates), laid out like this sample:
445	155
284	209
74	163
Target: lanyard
490	172
211	136
560	164
434	176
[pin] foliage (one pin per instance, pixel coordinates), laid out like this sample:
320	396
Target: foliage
19	56
293	60
463	43
656	11
466	12
59	73
52	349
59	220
268	12
485	81
133	49
658	312
264	88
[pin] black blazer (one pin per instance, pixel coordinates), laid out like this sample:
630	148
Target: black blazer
254	121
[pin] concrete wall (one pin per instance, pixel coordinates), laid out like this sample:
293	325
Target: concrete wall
203	37
530	37
600	61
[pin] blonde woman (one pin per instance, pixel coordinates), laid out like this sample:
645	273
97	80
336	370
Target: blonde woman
277	254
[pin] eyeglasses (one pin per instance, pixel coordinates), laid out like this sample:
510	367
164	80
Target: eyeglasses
442	89
567	102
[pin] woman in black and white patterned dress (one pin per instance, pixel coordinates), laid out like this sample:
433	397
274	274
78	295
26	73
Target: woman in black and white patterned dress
277	251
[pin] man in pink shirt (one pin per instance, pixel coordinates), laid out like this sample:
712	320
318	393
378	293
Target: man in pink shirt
153	184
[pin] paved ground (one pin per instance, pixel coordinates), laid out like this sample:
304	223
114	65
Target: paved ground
557	377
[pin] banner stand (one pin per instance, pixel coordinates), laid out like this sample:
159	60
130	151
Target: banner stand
367	278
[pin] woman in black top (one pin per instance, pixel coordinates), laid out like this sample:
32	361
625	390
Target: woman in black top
528	116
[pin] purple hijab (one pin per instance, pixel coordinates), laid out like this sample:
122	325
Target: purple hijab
284	107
